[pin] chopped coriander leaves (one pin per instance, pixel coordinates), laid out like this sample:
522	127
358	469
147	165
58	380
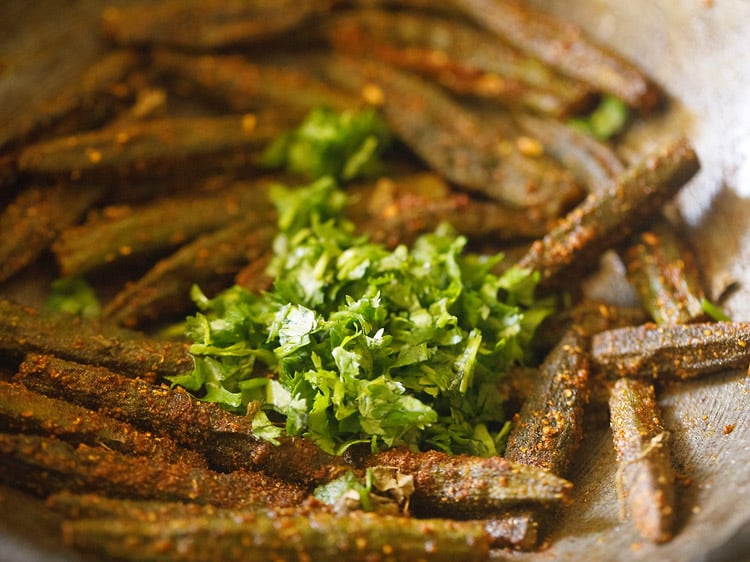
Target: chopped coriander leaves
73	296
359	344
343	145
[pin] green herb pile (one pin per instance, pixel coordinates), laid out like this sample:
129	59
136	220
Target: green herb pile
356	343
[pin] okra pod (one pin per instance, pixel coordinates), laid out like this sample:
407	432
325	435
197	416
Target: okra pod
152	229
27	330
156	408
94	506
207	24
607	217
459	145
511	530
466	60
547	432
672	351
243	85
87	102
210	261
395	211
153	148
225	438
589	316
645	477
32	221
360	537
25	411
593	163
45	465
662	269
476	487
565	47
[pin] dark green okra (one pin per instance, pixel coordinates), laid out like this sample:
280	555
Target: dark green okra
607	217
87	102
210	261
645	478
44	465
672	351
662	269
448	486
153	148
25	411
207	24
458	144
152	229
242	85
26	330
464	59
33	220
565	47
360	537
548	430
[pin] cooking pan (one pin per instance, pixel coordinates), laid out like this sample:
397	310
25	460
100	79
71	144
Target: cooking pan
699	52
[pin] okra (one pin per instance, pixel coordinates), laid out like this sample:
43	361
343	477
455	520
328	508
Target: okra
360	537
44	465
466	60
127	233
156	408
210	261
672	351
459	145
32	221
662	269
476	487
395	211
511	530
25	411
242	85
565	47
153	148
593	163
87	102
607	217
207	24
547	432
645	477
26	330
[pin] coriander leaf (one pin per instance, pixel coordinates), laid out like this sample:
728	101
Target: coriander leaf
364	344
340	145
608	119
73	296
